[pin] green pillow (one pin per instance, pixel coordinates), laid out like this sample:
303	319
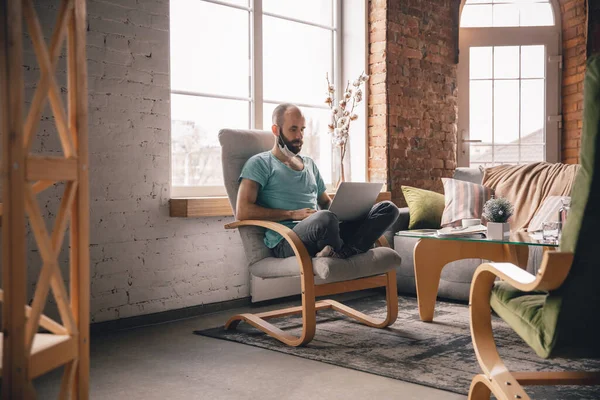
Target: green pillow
425	207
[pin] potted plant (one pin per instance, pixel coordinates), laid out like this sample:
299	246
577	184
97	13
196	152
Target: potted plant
497	212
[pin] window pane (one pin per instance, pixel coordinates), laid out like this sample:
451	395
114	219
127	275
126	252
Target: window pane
506	62
296	59
195	124
480	110
507	154
532	62
218	65
530	154
480	154
317	141
506	15
480	62
536	14
506	111
532	110
476	16
315	11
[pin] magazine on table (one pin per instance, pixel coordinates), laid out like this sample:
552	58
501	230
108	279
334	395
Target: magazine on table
461	231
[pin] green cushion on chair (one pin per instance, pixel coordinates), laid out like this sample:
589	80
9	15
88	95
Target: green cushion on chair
565	320
528	314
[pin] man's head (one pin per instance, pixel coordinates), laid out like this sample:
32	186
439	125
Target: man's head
288	126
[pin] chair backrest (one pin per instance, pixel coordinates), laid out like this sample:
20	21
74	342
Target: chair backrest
580	296
237	146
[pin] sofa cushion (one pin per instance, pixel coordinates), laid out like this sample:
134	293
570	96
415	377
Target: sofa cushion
426	207
473	175
373	262
548	212
463	200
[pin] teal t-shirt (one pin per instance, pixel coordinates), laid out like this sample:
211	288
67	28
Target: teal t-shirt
282	187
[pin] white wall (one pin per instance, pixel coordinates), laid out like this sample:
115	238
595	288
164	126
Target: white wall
142	261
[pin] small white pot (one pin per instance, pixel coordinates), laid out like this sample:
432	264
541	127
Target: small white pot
498	230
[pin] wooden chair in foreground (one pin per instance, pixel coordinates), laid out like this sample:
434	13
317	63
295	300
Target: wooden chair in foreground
319	276
26	352
555	312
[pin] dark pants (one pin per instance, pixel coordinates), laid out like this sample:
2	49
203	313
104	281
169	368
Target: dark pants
323	228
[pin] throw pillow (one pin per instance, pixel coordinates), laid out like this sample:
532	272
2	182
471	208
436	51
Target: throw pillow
463	200
547	212
425	208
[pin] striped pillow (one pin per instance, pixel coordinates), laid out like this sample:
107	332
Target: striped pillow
547	212
463	200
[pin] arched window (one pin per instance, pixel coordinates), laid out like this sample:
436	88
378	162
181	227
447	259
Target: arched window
508	79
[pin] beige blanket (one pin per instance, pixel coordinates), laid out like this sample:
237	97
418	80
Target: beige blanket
527	186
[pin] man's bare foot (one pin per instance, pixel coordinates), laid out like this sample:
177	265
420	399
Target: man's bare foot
326	252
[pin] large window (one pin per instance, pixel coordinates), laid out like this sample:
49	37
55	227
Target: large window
508	83
232	62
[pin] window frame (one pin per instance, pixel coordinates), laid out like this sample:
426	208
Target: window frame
340	60
550	37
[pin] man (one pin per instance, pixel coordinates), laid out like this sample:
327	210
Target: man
280	185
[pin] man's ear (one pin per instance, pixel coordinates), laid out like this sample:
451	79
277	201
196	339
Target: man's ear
275	130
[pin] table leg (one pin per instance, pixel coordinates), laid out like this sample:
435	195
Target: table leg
432	255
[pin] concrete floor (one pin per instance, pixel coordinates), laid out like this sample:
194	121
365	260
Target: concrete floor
167	361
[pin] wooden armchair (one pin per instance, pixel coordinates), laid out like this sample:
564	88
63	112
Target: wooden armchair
556	311
319	276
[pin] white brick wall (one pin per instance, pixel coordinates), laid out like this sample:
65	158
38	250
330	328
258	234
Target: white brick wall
142	261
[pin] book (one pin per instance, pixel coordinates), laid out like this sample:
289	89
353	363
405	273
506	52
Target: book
461	231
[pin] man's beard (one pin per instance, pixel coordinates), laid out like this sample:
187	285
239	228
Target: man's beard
294	146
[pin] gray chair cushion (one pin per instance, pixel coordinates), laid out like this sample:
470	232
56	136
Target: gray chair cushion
237	146
473	175
374	262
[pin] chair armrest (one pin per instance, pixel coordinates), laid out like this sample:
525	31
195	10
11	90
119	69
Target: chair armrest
288	234
552	273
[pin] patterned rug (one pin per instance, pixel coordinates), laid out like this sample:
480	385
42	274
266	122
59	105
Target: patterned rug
438	354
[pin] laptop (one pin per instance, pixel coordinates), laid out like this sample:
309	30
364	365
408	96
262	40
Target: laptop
354	200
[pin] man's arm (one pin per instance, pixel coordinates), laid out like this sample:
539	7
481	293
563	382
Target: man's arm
248	209
324	201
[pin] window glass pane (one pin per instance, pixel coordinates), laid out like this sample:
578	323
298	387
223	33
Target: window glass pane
532	62
317	140
480	154
506	15
315	11
195	124
476	16
536	14
245	3
506	154
532	110
506	111
530	154
480	62
209	48
506	62
296	59
480	111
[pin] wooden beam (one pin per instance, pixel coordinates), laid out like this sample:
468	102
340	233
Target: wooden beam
14	265
46	168
219	206
80	215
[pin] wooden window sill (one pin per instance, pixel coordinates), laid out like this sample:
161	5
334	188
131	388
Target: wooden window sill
217	206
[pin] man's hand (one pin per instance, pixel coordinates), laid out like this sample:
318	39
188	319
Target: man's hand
299	215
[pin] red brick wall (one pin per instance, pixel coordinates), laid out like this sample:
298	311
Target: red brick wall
413	101
573	16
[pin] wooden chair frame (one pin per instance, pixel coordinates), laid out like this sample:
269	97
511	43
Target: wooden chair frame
496	377
310	291
27	353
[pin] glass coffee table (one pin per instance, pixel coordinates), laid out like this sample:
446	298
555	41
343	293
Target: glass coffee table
432	253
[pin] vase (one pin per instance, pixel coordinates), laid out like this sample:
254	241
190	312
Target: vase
498	230
340	170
